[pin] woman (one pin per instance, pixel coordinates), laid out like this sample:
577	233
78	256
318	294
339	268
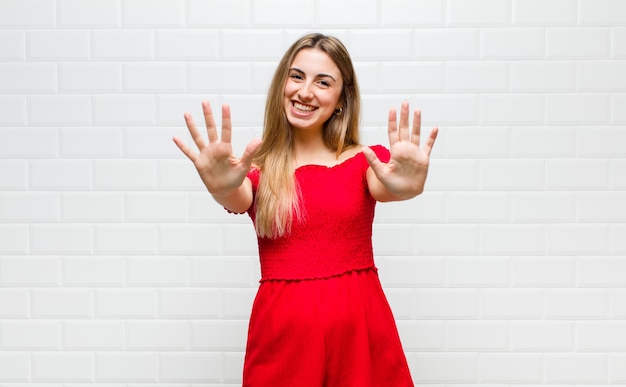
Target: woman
320	317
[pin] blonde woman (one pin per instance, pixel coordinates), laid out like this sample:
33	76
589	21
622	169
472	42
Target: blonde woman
320	317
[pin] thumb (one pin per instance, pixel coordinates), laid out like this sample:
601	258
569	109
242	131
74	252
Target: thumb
249	152
372	159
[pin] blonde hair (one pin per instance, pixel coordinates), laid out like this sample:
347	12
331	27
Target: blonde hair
277	198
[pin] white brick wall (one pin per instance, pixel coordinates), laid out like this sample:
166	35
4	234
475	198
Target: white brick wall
117	268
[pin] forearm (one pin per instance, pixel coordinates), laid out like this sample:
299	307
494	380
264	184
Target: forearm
237	200
382	193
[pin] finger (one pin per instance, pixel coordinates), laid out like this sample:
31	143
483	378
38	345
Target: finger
373	160
392	127
417	126
226	124
249	152
185	149
428	147
403	131
209	121
193	130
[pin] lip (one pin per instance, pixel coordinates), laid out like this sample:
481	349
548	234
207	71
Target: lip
302	113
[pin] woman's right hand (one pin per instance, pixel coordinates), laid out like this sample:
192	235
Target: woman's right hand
221	172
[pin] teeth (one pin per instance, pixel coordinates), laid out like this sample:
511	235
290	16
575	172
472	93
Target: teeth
302	107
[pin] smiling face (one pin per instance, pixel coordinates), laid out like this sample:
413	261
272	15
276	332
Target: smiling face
312	90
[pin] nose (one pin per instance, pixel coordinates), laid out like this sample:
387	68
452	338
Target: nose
305	91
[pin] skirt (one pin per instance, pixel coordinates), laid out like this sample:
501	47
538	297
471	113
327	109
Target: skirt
333	332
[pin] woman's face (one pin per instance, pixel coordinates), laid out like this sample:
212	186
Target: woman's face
312	90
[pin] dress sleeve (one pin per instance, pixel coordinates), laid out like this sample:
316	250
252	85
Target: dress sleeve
382	153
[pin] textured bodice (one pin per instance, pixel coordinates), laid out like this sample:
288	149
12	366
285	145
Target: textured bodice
335	235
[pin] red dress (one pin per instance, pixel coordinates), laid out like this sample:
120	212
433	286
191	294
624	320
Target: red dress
320	317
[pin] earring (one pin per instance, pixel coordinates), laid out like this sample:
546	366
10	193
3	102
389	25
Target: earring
339	111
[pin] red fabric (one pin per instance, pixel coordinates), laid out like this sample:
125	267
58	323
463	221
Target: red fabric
320	317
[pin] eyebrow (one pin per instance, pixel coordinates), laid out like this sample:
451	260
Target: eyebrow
322	75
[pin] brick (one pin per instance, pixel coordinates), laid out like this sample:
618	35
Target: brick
511	368
95	14
602	12
618	42
609	336
564	43
14	113
512	43
60	110
412	77
231	77
57	45
156	207
90	77
222	335
446	304
62	303
236	304
136	367
545	13
180	175
251	45
453	175
411	271
148	13
543	272
371	45
544	336
272	13
30	271
153	77
189	239
13	239
126	303
60	175
577	174
400	300
601	207
618	238
577	368
30	335
157	335
200	367
29	207
93	335
617	304
518	304
446	43
434	239
543	207
543	141
201	13
430	207
13	175
93	271
29	143
512	239
601	141
446	368
402	13
15	366
476	336
519	174
90	143
475	76
124	175
578	239
150	143
520	108
189	303
488	272
125	239
92	207
161	271
617	367
231	365
332	14
437	110
576	303
13	304
123	45
239	240
601	271
422	335
123	109
478	13
394	239
55	367
28	78
60	239
223	271
543	76
487	207
28	13
601	76
171	110
618	108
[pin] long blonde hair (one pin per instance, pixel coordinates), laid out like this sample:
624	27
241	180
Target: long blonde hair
277	198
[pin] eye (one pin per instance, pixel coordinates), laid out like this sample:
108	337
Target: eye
324	83
295	76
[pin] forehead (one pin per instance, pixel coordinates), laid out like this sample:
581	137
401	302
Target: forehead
314	61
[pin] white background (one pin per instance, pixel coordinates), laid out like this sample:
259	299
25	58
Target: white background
117	267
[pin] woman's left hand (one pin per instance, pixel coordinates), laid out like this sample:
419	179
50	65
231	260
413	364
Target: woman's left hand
404	176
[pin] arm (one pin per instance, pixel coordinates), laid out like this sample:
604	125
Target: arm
223	174
404	176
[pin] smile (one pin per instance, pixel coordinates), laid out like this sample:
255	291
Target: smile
303	108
